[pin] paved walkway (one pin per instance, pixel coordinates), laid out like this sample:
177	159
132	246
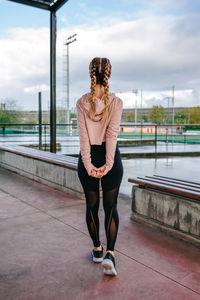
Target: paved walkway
45	251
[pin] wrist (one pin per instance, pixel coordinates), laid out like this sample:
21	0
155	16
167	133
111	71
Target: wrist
108	167
89	168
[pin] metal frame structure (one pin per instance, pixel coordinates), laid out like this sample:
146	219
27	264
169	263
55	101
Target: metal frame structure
70	39
52	6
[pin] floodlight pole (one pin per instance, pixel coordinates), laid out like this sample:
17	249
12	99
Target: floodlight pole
135	92
70	40
53	82
40	119
141	96
168	98
173	87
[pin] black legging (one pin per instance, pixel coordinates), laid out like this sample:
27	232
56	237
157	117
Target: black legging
110	185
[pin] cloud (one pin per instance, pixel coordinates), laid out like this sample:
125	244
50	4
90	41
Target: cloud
145	54
151	53
37	88
25	54
182	98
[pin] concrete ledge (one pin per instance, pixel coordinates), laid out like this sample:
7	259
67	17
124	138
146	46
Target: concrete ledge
155	154
48	172
175	215
135	142
160	154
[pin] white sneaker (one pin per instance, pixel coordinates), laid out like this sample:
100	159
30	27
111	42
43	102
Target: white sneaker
97	256
109	265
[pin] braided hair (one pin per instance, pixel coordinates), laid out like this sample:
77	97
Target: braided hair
100	71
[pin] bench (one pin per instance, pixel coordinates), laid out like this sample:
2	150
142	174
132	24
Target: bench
188	189
168	203
63	160
59	171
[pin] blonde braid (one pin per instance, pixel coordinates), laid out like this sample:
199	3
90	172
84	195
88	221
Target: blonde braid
107	71
100	70
92	90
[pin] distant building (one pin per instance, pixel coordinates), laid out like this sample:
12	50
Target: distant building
26	115
145	111
33	115
150	128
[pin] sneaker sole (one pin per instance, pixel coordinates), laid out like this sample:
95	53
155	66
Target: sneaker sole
97	260
109	268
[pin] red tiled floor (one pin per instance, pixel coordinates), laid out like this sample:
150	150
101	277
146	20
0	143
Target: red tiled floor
45	251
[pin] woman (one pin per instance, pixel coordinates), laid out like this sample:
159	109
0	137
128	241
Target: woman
98	116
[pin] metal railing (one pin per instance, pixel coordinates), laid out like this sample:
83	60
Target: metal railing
165	132
186	134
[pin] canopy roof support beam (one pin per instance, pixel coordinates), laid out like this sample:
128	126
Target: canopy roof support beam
52	6
45	4
33	3
53	81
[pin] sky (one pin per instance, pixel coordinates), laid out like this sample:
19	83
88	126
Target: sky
152	45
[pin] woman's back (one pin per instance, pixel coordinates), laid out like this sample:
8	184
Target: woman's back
98	116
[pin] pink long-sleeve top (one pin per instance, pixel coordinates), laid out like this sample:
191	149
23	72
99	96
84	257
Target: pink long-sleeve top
94	131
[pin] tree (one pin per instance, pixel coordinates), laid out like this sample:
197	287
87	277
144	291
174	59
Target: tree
195	115
72	115
187	115
8	113
45	121
179	117
157	114
30	121
7	116
130	116
144	118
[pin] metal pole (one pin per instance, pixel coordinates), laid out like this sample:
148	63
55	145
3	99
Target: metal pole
45	141
53	82
67	88
141	116
168	111
156	137
141	128
40	119
70	40
166	135
135	92
135	107
173	87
